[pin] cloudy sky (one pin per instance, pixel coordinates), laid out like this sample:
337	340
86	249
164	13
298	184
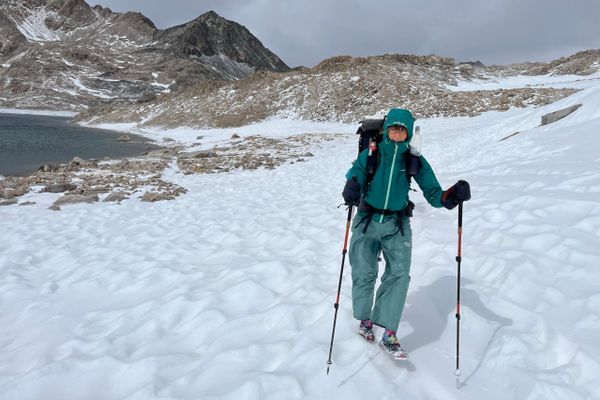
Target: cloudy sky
305	32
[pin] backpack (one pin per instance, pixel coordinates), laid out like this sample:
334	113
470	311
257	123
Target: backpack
370	133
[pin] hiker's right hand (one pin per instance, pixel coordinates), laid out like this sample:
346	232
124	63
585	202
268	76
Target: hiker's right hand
351	193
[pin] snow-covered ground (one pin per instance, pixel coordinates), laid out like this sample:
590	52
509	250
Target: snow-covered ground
273	127
228	291
521	81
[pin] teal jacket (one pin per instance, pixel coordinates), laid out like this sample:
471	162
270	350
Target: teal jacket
389	187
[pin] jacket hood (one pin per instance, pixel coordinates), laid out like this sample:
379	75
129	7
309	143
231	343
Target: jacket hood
399	116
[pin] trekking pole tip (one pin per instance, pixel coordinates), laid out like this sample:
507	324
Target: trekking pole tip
457	372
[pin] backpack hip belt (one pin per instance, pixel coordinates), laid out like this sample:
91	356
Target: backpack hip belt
406	212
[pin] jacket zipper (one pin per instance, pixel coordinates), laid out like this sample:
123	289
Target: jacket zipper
387	196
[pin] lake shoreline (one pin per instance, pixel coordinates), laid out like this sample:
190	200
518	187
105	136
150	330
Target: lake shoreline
160	174
149	177
30	141
47	113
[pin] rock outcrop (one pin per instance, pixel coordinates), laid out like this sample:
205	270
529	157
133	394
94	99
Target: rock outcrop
10	37
560	114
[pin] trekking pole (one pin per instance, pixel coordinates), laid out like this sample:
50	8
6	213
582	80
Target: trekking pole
337	300
458	260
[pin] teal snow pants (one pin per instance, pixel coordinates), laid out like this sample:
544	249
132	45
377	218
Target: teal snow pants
365	247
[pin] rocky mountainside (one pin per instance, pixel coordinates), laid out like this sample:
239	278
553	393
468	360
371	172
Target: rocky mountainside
66	55
346	89
118	67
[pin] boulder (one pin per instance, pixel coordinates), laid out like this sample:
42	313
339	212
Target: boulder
556	115
79	162
48	168
146	97
124	138
8	202
75	198
154	196
205	154
116	196
13	189
59	188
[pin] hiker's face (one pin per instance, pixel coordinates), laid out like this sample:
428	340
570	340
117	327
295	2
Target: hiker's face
397	133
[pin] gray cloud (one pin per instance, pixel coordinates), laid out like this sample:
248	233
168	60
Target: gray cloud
308	31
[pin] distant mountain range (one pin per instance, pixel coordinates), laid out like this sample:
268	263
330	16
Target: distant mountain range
66	55
118	67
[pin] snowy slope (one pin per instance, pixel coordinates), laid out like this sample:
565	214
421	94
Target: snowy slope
227	292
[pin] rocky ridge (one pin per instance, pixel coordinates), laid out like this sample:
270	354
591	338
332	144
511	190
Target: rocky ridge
583	63
65	55
346	89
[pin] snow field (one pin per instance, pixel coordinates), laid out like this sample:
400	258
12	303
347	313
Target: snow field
228	291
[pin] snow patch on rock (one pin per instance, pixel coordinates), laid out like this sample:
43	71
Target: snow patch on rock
34	28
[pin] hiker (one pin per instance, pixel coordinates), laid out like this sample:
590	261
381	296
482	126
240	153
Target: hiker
382	225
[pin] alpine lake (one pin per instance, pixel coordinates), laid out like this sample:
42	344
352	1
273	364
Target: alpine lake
30	141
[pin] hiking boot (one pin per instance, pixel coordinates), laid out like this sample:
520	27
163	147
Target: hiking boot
391	345
365	329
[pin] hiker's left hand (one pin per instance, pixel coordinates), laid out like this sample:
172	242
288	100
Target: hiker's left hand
459	192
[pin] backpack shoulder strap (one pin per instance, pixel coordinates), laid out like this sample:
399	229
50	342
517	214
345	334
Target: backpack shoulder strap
370	130
372	160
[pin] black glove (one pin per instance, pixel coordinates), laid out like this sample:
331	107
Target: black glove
459	192
352	192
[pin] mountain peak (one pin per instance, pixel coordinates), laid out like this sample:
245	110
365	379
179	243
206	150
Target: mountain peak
209	18
211	35
210	14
